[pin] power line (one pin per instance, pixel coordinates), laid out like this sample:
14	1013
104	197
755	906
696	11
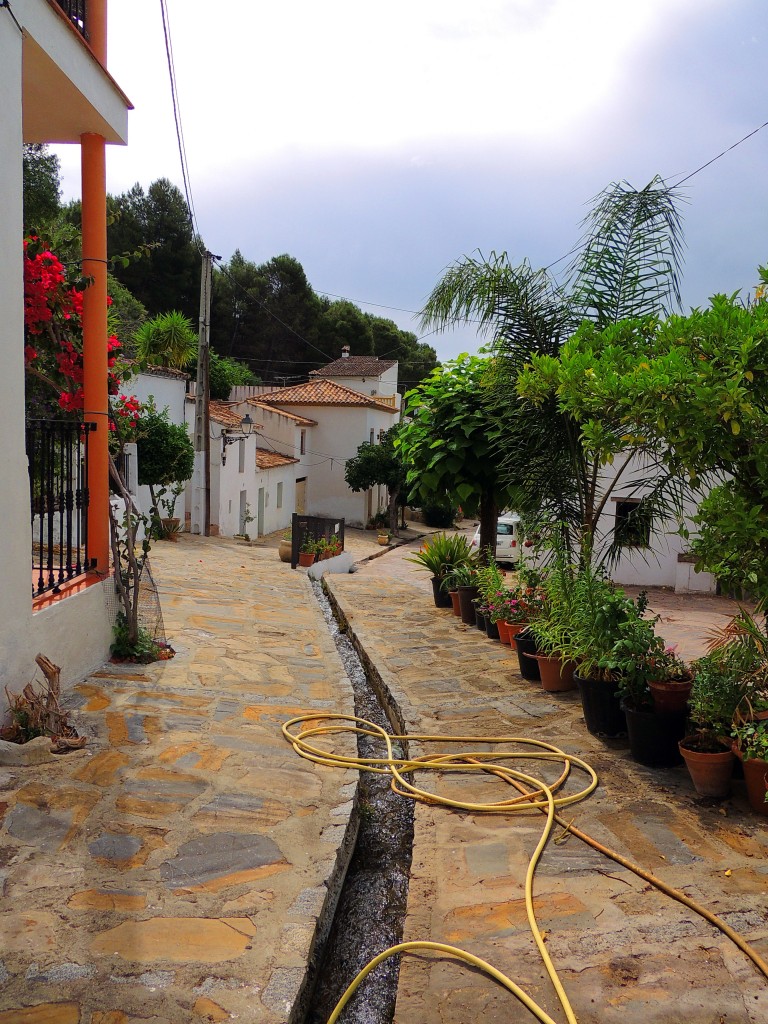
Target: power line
179	130
222	269
719	155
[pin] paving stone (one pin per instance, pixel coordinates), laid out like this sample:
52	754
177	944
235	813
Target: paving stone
179	940
43	1013
220	860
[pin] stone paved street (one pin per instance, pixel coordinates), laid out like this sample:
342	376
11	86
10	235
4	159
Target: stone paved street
185	866
176	870
624	952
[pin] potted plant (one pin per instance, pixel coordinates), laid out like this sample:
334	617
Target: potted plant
285	551
490	582
439	554
598	610
307	551
169	524
449	585
465	580
716	693
383	537
551	625
751	747
654	729
669	680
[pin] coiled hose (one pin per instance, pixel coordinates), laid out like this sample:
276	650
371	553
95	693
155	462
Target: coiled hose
532	793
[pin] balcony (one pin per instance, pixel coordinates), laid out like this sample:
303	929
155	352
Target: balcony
76	11
57	452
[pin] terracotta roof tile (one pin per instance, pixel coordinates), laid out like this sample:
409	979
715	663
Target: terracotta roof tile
301	421
266	459
355	366
322	392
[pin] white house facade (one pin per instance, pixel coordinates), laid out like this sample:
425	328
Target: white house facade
55	88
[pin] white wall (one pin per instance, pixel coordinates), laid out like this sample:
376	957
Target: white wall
339	432
658	565
73	632
168	393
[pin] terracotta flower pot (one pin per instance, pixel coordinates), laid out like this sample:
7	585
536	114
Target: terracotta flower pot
556	675
670	695
755	772
454	596
306	558
710	773
513	628
503	631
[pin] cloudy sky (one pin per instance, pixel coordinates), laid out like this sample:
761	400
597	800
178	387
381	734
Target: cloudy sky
377	143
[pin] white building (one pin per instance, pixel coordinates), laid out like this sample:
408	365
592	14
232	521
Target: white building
371	376
344	419
654	554
55	88
252	487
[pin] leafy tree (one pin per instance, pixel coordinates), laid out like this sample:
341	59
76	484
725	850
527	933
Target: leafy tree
698	390
225	373
167	276
344	323
42	188
126	314
628	266
267	316
415	358
164	452
377	464
447	447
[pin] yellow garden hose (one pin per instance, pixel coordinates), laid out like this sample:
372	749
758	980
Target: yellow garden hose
533	794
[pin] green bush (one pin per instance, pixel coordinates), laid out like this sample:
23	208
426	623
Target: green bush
440	514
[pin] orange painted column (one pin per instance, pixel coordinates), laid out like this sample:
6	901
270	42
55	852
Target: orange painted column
96	406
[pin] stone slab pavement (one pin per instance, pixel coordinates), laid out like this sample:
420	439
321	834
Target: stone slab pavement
185	865
624	952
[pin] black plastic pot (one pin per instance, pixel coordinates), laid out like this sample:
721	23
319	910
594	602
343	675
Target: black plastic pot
466	596
602	711
442	597
491	629
479	620
529	667
654	736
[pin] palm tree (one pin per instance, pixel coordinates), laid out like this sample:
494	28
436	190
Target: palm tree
627	265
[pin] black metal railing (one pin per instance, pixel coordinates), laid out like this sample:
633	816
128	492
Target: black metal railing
76	11
315	528
57	452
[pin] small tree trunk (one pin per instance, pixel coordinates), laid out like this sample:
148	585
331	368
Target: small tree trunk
392	496
489	514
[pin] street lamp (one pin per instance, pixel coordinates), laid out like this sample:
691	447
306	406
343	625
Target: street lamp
229	437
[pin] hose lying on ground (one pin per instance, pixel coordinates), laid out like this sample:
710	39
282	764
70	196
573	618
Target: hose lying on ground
533	794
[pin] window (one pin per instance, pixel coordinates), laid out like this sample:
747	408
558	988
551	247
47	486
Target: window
303	443
280	495
241	455
633	524
371	437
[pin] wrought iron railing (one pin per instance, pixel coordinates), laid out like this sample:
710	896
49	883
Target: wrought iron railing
57	452
76	11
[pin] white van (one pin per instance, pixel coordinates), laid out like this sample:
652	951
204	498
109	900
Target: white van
508	539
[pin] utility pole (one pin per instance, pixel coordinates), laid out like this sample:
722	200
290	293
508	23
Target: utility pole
201	477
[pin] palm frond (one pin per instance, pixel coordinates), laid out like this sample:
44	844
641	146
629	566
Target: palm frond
522	307
631	260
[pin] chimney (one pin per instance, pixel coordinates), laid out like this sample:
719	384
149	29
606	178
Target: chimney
345	351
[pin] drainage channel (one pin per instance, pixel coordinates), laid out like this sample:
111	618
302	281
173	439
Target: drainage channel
371	909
